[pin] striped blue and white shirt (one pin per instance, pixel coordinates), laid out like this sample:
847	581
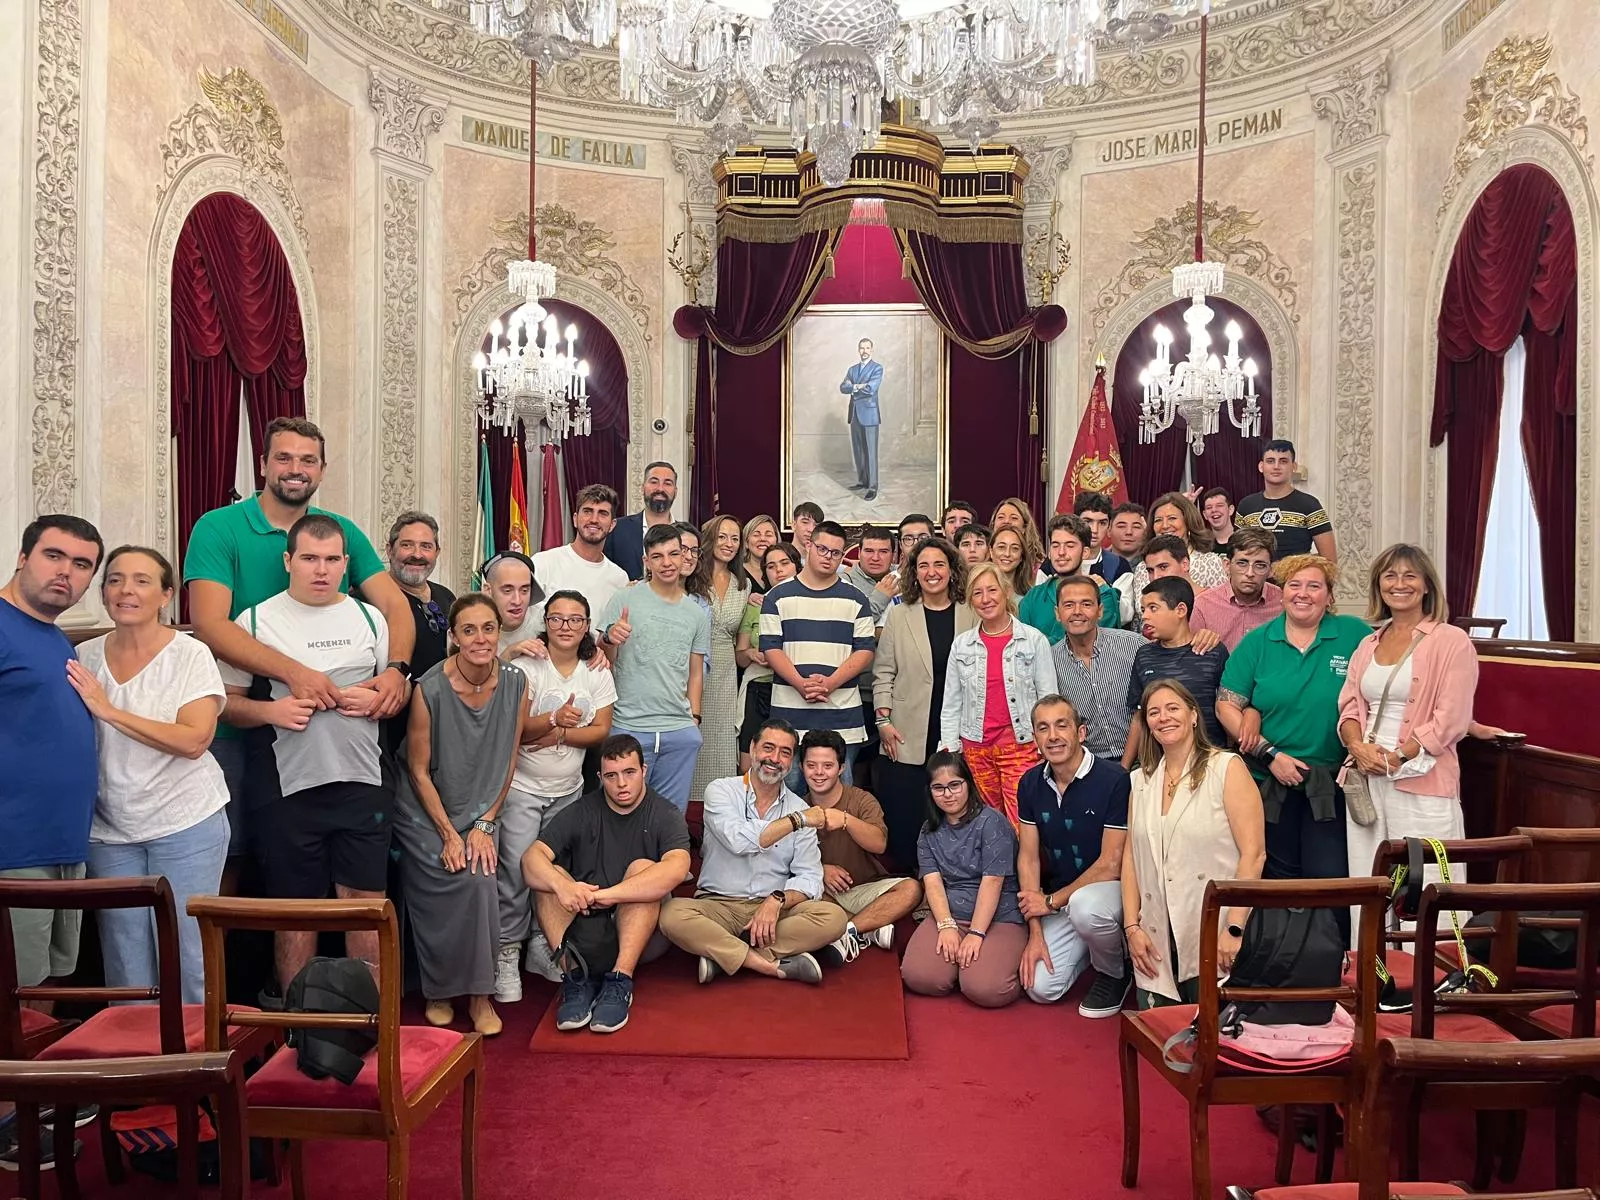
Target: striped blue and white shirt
818	630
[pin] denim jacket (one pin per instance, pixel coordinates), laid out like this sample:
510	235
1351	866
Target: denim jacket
1030	672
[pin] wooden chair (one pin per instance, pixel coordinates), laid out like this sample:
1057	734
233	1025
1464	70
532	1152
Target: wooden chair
124	1031
406	1077
1403	1062
1481	1017
1144	1034
182	1080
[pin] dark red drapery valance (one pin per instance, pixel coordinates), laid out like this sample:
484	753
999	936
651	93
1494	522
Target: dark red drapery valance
235	325
1513	273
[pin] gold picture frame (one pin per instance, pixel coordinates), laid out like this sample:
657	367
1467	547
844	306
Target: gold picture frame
818	458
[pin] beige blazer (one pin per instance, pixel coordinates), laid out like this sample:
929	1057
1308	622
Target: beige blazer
1173	857
902	675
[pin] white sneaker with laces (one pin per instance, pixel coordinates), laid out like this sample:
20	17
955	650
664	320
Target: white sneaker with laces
507	978
882	937
846	946
539	960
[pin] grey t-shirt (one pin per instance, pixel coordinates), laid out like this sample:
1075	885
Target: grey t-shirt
963	854
652	668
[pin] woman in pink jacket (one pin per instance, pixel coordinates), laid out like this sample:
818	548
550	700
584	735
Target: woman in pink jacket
1406	702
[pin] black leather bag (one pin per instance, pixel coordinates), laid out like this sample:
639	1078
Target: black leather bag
333	985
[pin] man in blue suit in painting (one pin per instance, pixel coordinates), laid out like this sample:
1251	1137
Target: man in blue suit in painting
861	384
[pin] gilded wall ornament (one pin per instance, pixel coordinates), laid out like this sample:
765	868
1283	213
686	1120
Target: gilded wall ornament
401	342
239	120
1355	372
57	246
1514	89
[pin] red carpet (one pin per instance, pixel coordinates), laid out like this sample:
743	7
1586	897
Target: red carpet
858	1012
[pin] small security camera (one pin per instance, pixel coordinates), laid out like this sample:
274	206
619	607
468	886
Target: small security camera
659	425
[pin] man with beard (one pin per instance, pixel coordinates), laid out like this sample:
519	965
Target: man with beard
582	566
757	903
625	545
235	560
413	552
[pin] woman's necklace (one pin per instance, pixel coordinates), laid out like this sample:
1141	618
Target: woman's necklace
477	684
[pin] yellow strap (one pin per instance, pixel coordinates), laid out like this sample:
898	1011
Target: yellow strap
1467	965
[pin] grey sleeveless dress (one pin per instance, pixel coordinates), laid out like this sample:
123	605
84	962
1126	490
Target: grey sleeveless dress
456	916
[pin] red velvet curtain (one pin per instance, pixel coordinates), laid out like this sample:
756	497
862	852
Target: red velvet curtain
1513	273
761	288
235	325
602	457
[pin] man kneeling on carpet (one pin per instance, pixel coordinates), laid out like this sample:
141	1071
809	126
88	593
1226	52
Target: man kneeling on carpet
757	905
598	873
853	834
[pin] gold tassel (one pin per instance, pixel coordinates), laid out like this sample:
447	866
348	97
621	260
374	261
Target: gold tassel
905	265
1044	467
828	268
1033	417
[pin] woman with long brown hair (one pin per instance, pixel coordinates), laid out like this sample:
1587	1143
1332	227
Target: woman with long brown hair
1175	514
719	579
1014	513
1194	814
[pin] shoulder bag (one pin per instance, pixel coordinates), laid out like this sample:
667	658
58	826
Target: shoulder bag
1358	800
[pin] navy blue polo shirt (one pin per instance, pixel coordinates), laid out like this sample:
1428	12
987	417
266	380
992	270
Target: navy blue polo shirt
1072	824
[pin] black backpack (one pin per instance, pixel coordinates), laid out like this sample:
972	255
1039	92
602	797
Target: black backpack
333	985
1287	948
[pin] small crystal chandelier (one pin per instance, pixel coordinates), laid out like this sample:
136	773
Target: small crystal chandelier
1200	386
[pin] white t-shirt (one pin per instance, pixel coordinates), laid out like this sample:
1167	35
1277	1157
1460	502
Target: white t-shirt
555	771
147	793
347	641
563	568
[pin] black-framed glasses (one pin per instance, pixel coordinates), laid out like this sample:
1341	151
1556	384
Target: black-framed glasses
563	622
954	787
437	621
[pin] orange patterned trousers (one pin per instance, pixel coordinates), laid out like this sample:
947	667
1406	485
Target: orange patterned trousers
998	769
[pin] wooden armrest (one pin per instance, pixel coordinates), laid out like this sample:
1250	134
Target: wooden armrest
235	912
1492	1060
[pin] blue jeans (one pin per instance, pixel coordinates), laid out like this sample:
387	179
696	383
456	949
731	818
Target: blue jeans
192	860
795	780
669	761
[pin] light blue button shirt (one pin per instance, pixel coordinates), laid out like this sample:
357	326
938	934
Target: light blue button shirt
732	860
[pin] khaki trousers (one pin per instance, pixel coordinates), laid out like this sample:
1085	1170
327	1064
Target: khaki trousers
713	926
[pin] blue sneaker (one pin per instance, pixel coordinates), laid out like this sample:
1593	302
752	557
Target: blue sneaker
578	992
611	1006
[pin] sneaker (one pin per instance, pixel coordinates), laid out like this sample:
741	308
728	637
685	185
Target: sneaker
707	969
1106	995
507	978
578	995
804	968
845	948
47	1116
611	1006
882	937
11	1157
540	959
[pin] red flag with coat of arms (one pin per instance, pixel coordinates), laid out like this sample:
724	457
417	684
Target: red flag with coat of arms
1095	464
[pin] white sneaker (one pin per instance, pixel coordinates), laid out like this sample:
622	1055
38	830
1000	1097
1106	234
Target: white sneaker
507	978
882	937
845	946
539	960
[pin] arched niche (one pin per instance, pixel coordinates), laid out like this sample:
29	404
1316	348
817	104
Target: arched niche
474	324
192	183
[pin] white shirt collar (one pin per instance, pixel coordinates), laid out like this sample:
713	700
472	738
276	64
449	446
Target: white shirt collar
1083	770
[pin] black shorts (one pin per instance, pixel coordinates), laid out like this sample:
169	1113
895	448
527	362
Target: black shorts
336	833
757	708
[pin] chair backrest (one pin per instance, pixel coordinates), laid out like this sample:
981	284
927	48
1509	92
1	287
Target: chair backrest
1368	895
1497	850
218	914
152	892
1471	625
1558	855
1509	901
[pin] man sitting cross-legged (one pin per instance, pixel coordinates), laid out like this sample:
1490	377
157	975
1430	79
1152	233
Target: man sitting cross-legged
758	903
1074	813
852	835
599	872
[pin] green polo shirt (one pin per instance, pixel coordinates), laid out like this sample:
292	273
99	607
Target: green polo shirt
239	548
1038	608
1296	693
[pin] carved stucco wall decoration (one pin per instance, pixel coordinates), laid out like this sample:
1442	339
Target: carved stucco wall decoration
238	120
1352	101
693	159
407	116
57	246
1514	89
1229	240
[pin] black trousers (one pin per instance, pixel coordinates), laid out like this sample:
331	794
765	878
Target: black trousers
1300	847
903	793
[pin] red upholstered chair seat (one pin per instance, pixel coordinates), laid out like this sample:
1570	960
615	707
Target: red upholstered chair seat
1557	1019
1538	978
1350	1191
281	1084
132	1030
33	1021
1162	1023
1447	1027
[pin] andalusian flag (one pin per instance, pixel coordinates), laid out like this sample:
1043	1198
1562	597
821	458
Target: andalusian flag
517	523
483	526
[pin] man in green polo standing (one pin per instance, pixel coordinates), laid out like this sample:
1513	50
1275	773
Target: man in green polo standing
235	559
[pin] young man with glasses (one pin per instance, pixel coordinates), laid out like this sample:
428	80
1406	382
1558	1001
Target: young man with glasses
1248	599
413	551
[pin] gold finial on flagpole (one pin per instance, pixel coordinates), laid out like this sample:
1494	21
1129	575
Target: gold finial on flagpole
1099	362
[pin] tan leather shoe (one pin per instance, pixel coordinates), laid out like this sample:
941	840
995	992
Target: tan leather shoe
439	1012
484	1019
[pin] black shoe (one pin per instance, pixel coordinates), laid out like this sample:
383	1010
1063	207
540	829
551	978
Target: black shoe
872	494
1107	994
858	487
11	1157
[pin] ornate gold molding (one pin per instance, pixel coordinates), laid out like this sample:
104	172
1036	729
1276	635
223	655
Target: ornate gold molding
240	121
1514	89
1355	371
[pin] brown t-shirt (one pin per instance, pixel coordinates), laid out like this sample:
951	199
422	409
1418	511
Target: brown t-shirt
839	849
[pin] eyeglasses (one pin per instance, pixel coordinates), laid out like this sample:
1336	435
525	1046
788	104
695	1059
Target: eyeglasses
827	551
559	622
948	789
437	622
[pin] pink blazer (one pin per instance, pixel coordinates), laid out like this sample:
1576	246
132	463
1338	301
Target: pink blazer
1444	680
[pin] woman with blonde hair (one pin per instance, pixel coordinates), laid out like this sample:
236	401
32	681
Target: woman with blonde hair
719	579
1405	703
1194	814
997	671
1174	513
1014	513
760	534
1279	699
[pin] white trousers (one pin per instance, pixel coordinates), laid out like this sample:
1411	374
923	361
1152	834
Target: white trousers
1401	815
1088	929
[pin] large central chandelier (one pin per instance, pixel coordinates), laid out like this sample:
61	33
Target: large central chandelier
1200	386
822	67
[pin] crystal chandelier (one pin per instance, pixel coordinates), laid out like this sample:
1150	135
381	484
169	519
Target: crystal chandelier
1200	386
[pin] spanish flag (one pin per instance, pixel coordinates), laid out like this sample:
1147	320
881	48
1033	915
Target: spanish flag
1096	463
517	512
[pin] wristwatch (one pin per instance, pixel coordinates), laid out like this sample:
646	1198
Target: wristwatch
399	664
1235	931
779	895
485	827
